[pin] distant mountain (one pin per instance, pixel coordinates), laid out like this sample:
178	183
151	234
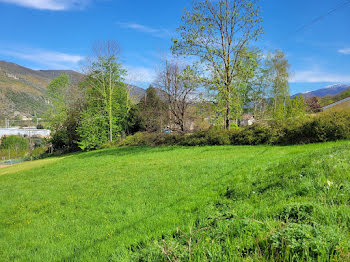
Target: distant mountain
51	74
329	90
23	90
136	93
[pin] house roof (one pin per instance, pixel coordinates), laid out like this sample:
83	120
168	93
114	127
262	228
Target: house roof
247	117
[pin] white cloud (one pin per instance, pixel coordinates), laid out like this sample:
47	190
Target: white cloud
54	5
345	51
157	32
140	75
56	60
314	76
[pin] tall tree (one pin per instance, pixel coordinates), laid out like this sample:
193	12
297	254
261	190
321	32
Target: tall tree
219	34
279	77
58	94
259	88
295	107
153	111
66	103
178	84
107	96
105	75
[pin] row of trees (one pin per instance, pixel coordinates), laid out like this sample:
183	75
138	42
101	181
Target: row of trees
227	77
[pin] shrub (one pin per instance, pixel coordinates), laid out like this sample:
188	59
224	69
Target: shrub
14	142
217	137
252	135
212	137
59	140
151	139
327	126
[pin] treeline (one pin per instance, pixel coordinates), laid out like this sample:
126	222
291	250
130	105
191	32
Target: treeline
227	78
98	110
325	127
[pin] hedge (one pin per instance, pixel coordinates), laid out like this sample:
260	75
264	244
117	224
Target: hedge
327	126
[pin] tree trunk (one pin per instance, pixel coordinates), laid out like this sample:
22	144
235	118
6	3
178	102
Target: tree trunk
182	126
227	118
228	110
110	107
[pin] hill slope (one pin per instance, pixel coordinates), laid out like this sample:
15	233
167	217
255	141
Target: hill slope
23	90
340	105
230	203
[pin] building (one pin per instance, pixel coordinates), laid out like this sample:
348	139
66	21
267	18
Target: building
247	120
26	131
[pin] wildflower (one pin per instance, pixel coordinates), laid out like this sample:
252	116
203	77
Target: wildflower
329	183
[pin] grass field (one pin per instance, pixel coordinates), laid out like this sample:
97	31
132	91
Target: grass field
225	203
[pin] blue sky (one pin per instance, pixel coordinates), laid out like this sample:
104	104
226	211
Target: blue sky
57	34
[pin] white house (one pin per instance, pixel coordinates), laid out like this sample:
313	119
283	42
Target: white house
247	120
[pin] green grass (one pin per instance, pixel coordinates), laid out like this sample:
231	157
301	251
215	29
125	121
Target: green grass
231	203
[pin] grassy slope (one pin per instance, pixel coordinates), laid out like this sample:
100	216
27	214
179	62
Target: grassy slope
90	206
341	106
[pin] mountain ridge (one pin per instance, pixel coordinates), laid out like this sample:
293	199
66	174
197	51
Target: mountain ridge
328	90
23	90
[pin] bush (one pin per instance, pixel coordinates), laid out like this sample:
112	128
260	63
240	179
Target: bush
59	140
151	139
328	126
252	135
211	137
14	142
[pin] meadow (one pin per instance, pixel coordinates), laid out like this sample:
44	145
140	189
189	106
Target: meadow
210	203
